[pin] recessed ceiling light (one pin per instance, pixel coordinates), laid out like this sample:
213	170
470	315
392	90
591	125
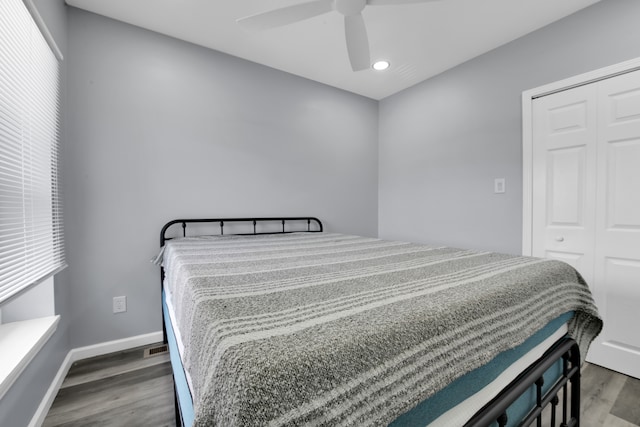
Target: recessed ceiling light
381	65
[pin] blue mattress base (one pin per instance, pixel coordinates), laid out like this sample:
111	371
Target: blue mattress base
179	377
430	409
474	381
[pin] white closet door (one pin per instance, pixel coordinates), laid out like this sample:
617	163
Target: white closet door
586	203
564	177
617	266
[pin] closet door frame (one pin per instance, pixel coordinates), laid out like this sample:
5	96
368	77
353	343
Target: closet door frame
527	134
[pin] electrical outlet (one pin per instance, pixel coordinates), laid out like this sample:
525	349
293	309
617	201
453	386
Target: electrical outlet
119	304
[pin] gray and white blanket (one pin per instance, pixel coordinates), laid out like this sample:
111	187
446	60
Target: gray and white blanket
326	329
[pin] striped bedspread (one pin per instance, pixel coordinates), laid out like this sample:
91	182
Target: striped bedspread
325	329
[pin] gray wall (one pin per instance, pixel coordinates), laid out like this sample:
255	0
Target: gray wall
157	129
443	141
160	129
21	401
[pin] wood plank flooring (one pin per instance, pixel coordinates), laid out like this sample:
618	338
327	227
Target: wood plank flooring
125	389
120	389
609	399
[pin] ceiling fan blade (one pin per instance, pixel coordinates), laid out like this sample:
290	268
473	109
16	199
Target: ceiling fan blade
286	15
357	42
394	2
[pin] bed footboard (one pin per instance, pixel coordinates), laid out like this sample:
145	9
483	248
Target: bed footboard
496	410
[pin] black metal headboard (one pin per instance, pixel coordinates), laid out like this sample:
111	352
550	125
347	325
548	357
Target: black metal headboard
253	221
294	226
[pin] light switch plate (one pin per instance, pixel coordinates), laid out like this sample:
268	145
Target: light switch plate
499	185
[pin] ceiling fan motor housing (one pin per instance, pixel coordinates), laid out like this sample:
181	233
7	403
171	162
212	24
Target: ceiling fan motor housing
349	7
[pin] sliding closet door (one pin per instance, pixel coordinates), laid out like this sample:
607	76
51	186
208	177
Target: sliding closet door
564	179
617	267
586	203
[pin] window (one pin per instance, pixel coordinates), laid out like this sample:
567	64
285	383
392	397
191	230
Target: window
31	233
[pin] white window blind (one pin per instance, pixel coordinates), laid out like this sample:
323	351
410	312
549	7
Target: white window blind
31	233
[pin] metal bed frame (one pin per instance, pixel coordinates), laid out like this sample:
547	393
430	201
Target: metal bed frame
569	382
565	349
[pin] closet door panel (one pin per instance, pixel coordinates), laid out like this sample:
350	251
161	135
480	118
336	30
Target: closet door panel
622	191
622	317
564	160
566	169
617	249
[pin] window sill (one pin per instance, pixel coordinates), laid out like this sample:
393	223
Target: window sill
20	342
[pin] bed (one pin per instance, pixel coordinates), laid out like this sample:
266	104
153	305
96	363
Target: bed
275	322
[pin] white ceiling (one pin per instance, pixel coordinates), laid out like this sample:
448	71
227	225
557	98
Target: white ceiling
420	40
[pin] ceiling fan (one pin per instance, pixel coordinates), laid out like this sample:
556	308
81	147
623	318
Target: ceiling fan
354	27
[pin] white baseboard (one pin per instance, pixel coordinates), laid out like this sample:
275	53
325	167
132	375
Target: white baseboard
117	345
84	353
50	395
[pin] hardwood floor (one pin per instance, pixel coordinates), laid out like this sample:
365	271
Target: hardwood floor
609	399
126	389
120	389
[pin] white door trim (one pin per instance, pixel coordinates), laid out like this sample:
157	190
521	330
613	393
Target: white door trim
527	133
